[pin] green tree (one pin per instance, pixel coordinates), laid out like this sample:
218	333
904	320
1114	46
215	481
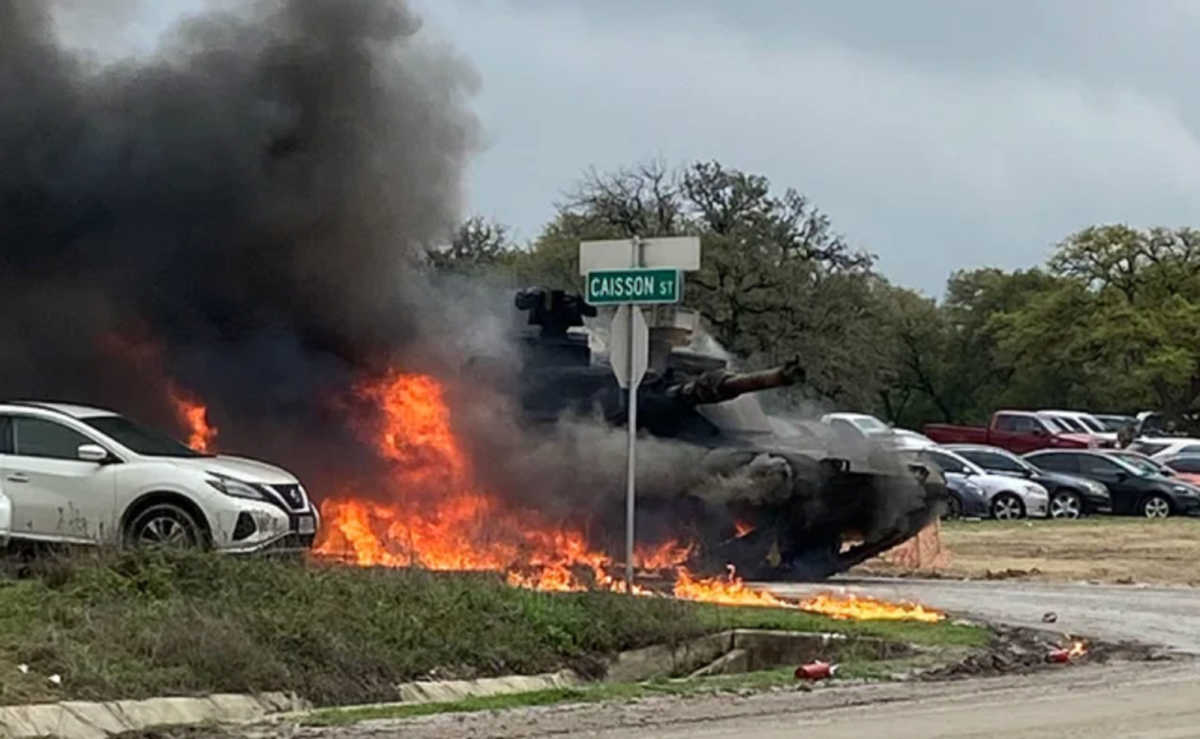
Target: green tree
1117	328
1131	261
476	245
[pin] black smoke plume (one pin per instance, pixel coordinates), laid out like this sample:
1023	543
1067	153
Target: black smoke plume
241	213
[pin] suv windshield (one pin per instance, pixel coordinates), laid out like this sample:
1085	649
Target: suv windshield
139	438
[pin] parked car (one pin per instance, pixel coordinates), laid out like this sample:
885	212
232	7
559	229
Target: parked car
1071	496
1114	422
904	439
79	475
855	430
1088	424
856	424
1160	447
1007	497
1185	466
1151	464
967	500
1016	431
1134	490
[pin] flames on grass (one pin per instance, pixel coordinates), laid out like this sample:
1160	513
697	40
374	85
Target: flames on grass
436	516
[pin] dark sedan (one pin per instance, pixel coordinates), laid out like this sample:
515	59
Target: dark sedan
967	500
1135	490
1071	496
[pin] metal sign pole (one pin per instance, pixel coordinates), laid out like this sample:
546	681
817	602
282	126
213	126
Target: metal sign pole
624	281
631	470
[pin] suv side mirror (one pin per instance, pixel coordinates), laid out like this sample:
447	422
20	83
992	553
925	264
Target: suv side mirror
1122	476
1039	431
92	453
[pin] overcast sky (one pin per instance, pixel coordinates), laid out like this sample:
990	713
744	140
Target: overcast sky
938	135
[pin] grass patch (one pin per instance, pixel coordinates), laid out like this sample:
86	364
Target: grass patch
133	626
783	677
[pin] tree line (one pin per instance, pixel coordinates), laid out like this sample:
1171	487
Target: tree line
1111	322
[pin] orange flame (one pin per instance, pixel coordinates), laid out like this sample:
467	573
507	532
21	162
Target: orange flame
859	607
439	518
1078	649
194	415
741	528
730	590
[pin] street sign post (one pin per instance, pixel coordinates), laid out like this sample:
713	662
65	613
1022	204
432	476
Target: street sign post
638	286
628	273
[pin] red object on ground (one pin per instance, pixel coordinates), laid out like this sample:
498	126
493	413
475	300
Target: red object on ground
815	671
1058	655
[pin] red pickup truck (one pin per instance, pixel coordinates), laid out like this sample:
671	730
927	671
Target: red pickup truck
1016	431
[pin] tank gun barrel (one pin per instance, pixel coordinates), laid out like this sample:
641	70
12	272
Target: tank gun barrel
721	385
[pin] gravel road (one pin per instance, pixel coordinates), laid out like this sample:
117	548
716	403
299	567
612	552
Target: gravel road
1146	700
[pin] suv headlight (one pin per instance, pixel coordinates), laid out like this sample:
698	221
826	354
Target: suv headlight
234	487
1035	490
1182	490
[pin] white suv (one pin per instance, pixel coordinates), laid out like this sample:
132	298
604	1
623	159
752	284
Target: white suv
76	475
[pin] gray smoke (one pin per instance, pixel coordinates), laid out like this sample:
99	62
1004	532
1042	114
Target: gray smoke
251	201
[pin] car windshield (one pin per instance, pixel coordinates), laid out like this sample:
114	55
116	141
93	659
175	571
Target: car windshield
1116	423
1052	424
1136	465
139	438
869	425
1142	464
1070	424
1021	463
1092	423
957	459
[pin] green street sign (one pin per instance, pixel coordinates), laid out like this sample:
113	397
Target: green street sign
649	285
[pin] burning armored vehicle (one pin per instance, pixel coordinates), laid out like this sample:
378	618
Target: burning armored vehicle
773	497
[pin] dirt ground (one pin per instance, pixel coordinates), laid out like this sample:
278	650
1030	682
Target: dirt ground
1101	549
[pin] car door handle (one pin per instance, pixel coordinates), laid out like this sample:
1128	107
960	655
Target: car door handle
17	477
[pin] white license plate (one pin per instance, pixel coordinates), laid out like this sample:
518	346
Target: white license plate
306	525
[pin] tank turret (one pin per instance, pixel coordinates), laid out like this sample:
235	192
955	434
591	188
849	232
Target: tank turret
717	386
555	312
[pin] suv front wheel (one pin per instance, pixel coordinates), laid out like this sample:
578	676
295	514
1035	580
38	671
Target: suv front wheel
164	526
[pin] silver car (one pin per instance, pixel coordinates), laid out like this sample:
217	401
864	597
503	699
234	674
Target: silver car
1008	497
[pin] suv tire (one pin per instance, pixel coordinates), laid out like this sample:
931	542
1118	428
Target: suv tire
165	526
